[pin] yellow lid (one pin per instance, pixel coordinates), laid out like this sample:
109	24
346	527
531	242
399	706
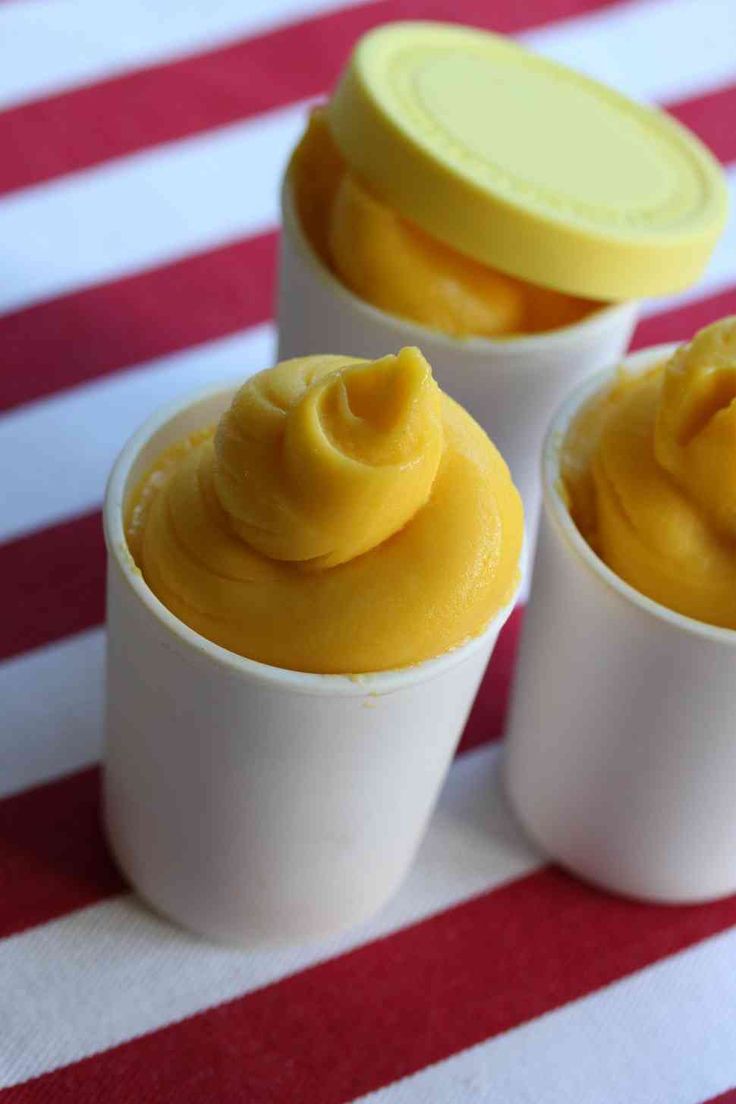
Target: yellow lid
526	165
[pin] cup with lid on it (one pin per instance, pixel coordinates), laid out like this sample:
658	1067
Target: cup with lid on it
500	210
621	756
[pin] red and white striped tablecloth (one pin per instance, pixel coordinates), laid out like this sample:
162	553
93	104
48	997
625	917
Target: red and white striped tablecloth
141	146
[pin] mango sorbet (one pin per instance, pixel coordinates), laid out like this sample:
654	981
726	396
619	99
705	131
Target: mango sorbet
345	516
650	472
394	265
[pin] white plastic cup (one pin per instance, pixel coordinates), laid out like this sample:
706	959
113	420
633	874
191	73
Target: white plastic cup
251	803
511	386
621	753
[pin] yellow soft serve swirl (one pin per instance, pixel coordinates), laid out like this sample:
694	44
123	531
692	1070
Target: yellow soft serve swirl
651	473
320	460
345	516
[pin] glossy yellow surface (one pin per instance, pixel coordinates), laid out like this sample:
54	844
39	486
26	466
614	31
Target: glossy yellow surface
345	517
389	262
526	165
650	470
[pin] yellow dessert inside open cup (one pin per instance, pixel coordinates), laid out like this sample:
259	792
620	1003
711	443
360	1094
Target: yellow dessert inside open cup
344	516
649	468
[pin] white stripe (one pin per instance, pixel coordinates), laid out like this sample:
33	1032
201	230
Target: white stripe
60	450
144	210
52	711
665	1034
661	50
48	47
113	971
155	205
70	439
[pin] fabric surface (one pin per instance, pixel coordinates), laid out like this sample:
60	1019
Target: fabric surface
141	147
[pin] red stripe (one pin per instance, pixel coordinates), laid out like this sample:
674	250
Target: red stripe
486	722
725	1098
102	329
360	1021
52	856
680	324
75	129
52	584
711	117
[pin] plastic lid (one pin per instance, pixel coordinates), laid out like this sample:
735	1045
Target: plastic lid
526	165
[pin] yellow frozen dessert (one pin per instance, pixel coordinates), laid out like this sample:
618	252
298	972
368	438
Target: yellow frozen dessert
390	262
650	472
345	516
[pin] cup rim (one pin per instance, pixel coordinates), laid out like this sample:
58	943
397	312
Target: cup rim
559	514
410	332
373	684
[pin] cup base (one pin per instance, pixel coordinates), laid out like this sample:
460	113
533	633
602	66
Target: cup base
642	892
246	938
